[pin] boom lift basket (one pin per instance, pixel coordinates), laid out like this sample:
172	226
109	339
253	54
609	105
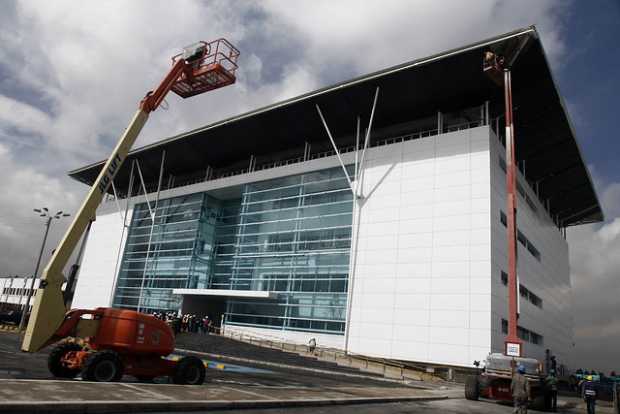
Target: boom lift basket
210	66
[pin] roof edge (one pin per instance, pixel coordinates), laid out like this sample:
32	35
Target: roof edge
340	85
570	123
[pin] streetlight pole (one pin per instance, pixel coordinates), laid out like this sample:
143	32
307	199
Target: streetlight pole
44	212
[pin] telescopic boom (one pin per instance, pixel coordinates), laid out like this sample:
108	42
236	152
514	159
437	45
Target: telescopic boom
200	68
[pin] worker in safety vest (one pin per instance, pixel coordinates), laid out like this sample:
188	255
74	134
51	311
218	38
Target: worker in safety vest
552	384
588	392
520	389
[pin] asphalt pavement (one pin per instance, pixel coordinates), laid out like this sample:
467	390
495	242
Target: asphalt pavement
266	378
272	380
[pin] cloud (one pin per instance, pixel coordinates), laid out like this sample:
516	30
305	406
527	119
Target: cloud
16	115
595	274
21	229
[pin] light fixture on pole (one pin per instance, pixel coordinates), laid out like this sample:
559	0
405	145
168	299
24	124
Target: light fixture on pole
43	212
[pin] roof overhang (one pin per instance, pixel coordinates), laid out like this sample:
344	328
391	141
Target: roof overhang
447	81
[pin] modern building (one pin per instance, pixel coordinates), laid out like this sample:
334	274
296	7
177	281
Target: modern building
256	222
14	291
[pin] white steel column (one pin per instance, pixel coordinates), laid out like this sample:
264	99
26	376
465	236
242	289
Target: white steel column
357	199
153	214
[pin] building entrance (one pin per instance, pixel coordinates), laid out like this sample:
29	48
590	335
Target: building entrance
212	306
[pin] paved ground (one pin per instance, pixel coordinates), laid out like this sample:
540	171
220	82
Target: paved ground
24	377
446	406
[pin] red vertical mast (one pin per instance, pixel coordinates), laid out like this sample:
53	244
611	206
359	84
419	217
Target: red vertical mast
512	341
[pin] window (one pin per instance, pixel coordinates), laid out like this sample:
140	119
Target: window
523	333
533	250
521	238
524	292
520	189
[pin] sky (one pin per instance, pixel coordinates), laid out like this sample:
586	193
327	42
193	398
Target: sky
72	73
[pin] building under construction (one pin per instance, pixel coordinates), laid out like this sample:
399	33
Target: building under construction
369	215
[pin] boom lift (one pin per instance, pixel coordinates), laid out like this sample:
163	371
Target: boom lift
493	381
113	342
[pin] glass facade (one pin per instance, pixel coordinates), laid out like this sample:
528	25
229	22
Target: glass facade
149	271
289	235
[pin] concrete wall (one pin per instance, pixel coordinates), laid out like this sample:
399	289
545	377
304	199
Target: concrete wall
422	272
548	278
102	254
295	337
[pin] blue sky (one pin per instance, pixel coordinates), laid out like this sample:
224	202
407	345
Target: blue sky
588	79
72	73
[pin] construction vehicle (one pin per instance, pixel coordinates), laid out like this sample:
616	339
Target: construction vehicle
493	381
105	343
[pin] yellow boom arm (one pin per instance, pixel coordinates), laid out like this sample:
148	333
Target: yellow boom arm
49	310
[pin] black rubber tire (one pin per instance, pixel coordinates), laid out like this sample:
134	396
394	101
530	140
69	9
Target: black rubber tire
190	370
53	360
103	366
472	388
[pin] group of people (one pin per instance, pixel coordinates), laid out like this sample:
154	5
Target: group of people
187	322
520	389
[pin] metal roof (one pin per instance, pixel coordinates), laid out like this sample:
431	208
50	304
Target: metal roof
545	138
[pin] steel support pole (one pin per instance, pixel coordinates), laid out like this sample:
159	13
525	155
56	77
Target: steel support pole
153	215
367	139
22	320
511	213
146	197
118	205
329	134
357	149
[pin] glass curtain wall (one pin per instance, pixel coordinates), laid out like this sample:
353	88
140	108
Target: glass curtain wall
291	236
149	272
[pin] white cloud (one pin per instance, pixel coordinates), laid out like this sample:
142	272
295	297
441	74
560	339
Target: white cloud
21	230
22	117
595	274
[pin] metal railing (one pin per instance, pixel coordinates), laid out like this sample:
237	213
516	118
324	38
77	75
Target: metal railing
179	181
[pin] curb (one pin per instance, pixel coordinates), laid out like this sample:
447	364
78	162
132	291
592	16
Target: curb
112	407
300	368
8	328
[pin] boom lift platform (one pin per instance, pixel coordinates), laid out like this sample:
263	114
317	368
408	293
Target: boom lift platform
113	342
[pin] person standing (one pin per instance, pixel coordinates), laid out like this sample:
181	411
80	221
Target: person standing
520	389
552	384
588	392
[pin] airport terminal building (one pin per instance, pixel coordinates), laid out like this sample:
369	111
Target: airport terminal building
397	251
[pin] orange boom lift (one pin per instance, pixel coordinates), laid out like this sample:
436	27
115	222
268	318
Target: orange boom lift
114	342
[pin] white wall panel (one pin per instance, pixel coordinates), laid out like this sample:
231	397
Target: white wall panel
443	243
99	263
